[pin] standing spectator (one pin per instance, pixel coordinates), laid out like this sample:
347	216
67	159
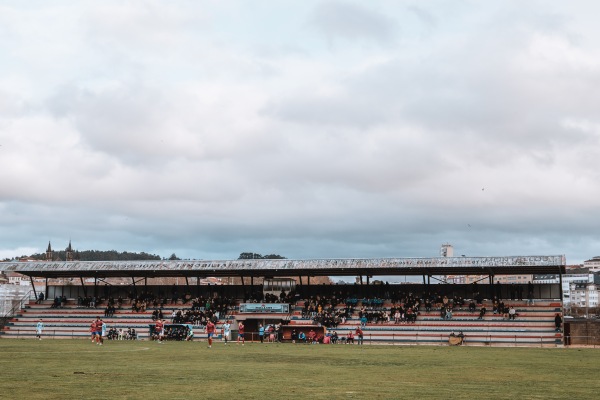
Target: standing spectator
557	322
529	293
278	332
359	335
261	333
311	336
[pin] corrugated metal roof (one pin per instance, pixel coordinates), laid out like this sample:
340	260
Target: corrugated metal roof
316	267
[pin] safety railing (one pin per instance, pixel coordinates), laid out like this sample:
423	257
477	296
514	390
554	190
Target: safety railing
18	304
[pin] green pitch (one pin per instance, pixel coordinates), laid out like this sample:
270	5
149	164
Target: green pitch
77	369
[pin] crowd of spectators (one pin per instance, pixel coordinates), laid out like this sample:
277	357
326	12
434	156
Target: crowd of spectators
405	308
121	334
59	302
178	332
324	311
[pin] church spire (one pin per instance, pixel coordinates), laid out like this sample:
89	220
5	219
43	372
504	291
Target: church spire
69	252
49	253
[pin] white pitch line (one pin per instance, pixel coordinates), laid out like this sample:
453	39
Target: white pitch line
78	351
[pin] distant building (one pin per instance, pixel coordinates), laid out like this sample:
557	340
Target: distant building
503	279
593	264
17	279
447	250
457	279
583	277
69	252
49	253
584	294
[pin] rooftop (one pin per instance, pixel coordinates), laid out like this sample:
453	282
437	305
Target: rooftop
283	267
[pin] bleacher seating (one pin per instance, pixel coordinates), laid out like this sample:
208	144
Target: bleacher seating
534	325
73	322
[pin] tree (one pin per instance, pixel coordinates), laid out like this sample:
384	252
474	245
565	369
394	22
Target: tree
174	257
256	256
274	257
249	256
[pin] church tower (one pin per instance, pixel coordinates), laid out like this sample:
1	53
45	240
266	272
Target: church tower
49	253
69	252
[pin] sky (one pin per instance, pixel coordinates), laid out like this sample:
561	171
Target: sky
312	129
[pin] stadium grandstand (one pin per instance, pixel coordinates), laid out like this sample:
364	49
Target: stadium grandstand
431	311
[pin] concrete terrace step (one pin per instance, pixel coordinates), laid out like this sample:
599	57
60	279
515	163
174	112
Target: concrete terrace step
533	326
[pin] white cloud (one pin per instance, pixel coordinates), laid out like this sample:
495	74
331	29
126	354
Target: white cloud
321	129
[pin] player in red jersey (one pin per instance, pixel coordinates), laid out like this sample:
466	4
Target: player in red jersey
100	330
159	328
93	331
241	333
210	330
96	329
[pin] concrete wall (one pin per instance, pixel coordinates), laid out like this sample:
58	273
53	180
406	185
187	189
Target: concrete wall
582	332
11	297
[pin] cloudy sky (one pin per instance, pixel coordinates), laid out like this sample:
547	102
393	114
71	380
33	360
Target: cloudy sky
304	128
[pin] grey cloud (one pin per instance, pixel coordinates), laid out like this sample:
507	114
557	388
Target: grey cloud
424	16
348	21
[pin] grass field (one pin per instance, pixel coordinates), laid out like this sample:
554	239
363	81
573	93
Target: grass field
77	369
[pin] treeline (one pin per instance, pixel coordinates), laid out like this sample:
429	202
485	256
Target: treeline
256	256
100	255
113	255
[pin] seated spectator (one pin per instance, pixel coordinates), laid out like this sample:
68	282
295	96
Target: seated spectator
411	316
482	312
472	306
350	338
427	305
512	313
302	337
448	314
334	337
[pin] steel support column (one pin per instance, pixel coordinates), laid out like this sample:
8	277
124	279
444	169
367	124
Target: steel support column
33	286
